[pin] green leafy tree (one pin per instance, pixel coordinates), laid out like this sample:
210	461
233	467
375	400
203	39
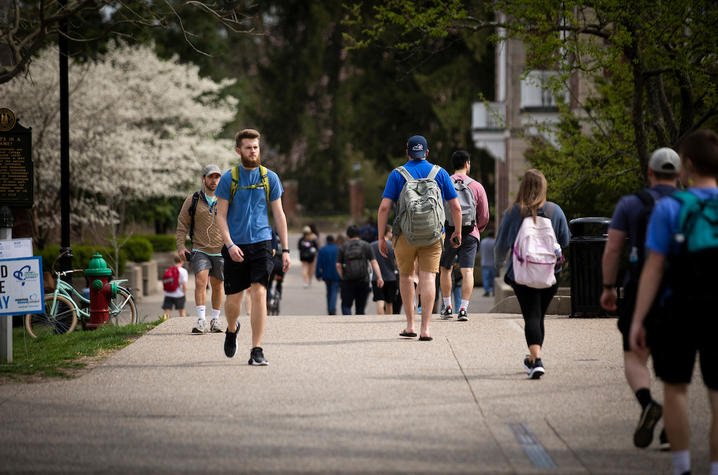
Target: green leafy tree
649	67
324	108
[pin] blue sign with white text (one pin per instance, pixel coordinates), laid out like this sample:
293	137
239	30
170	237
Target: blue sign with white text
21	289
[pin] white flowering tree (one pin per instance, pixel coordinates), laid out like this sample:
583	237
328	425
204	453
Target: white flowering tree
141	128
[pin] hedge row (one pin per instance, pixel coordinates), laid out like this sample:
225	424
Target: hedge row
138	248
81	257
160	242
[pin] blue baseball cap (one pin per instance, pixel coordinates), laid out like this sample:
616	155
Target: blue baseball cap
417	147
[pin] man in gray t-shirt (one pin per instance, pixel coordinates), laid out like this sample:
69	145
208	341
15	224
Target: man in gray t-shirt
488	268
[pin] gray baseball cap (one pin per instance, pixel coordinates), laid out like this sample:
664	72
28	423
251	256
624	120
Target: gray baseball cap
210	170
665	160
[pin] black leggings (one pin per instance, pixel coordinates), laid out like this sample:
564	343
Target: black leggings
534	303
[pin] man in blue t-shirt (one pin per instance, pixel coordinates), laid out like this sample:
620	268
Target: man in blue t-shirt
247	238
427	256
630	221
687	324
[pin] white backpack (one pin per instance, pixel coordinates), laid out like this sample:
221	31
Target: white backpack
536	253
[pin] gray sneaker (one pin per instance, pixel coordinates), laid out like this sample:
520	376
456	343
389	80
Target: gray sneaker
214	326
201	326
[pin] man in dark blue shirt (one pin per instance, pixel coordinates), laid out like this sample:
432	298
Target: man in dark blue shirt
630	221
326	270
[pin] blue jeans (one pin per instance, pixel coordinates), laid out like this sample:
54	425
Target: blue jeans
332	292
456	292
488	274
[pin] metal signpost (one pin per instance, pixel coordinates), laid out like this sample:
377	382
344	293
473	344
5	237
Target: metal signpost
21	289
16	192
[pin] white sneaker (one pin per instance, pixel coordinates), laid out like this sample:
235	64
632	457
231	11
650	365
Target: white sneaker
214	326
200	327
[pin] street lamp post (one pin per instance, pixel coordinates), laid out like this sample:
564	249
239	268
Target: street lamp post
65	251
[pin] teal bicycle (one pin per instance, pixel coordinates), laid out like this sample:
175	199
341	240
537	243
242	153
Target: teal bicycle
66	306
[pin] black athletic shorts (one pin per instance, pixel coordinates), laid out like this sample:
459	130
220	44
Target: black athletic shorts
256	267
174	302
676	335
385	293
626	307
625	314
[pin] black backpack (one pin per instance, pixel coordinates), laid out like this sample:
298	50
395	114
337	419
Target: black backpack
355	266
192	211
307	250
638	252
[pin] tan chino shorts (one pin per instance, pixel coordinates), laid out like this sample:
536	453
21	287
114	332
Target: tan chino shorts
429	256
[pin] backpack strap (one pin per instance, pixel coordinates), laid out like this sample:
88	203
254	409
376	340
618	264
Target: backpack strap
434	172
264	182
646	198
192	211
405	173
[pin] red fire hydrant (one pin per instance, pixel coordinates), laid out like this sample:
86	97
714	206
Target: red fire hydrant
101	291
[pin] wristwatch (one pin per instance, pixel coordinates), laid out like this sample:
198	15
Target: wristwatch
609	286
285	250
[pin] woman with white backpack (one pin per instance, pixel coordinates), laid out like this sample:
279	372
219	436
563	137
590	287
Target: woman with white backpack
534	230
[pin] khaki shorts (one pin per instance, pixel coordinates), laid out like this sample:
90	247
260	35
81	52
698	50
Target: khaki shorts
429	256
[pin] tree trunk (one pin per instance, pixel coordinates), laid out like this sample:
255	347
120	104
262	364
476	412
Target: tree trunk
637	110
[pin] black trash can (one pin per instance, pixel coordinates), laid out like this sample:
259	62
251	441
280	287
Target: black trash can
585	252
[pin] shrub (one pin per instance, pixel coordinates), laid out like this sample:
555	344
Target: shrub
161	242
81	257
138	249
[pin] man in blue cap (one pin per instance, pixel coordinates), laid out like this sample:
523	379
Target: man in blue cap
408	245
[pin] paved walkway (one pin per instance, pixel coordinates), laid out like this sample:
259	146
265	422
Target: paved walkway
342	394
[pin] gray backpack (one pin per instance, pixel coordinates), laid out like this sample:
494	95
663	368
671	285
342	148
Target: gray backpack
468	206
420	209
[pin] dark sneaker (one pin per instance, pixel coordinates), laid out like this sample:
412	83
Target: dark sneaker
650	416
534	370
445	314
230	342
256	358
462	316
664	445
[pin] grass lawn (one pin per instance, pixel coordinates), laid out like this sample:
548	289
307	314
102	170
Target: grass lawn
64	356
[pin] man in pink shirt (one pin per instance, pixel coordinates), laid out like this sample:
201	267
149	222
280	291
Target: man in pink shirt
475	217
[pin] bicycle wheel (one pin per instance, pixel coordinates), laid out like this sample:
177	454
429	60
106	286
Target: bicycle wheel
59	317
122	308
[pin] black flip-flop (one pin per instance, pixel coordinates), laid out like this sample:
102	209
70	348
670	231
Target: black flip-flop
425	338
407	334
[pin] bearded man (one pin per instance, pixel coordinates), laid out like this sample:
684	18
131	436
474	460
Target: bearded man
245	194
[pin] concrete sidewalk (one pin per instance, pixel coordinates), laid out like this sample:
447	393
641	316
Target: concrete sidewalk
343	394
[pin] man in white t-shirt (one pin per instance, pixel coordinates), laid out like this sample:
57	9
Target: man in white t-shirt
176	298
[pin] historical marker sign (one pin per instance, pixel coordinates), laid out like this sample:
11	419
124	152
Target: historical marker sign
16	172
